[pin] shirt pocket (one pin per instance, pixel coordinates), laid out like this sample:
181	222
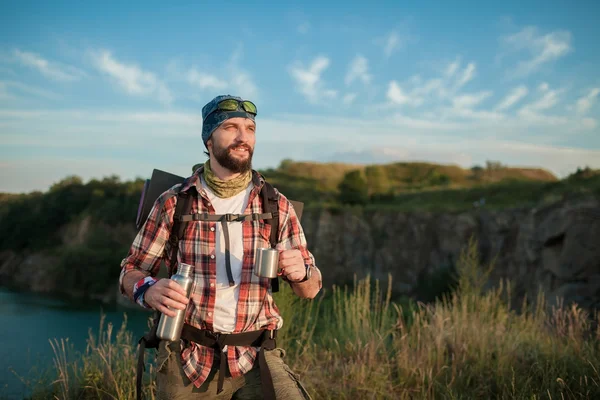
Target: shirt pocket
264	234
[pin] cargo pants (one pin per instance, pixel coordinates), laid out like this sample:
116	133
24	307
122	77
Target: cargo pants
173	384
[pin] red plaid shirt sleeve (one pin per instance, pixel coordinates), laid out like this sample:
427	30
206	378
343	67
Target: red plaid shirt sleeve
147	249
291	234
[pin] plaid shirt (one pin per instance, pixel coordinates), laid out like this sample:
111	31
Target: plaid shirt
256	307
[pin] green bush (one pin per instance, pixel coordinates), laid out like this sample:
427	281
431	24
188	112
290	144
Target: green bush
353	189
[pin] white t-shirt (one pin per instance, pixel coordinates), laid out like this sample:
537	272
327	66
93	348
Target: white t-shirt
227	296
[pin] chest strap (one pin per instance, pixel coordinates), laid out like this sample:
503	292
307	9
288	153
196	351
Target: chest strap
224	219
265	339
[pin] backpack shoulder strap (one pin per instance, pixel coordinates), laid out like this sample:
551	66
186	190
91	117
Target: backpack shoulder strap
271	205
184	206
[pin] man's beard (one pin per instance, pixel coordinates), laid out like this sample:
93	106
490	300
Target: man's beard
227	161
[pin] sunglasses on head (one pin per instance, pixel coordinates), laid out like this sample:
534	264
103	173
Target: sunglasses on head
235	105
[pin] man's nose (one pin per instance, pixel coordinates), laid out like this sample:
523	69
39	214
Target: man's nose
243	133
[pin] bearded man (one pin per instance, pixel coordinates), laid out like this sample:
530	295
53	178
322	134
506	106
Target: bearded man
228	300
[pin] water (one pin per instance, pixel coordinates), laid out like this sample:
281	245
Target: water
29	321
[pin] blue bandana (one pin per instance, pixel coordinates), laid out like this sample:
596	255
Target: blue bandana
212	118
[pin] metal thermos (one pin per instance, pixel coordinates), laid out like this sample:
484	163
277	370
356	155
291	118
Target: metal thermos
169	328
267	263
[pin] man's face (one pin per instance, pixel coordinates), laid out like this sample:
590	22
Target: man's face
232	144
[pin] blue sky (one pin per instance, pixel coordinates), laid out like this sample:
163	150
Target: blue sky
117	88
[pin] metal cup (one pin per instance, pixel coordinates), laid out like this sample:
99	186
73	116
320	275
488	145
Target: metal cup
267	263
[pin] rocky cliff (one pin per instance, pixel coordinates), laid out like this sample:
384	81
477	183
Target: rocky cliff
554	248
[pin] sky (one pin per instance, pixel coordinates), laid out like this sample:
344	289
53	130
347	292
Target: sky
96	89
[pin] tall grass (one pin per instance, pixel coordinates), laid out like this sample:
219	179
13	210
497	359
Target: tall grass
105	370
355	343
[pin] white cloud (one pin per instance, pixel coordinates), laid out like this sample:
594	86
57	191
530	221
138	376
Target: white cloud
131	78
547	101
474	115
243	84
204	80
434	90
28	89
470	100
467	75
228	77
241	80
49	69
452	68
542	49
392	43
330	93
396	95
435	85
349	98
512	98
309	82
423	123
358	69
528	116
584	104
589	123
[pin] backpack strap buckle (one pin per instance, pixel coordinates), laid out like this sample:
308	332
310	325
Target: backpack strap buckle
231	217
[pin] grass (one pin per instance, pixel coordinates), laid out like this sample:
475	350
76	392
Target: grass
105	370
355	343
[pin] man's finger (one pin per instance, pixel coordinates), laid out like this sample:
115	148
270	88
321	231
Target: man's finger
294	270
291	261
295	276
177	296
289	254
166	311
171	284
173	304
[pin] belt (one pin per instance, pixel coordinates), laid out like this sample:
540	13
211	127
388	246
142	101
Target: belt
265	339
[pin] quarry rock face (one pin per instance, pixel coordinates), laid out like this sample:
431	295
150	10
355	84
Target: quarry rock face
555	248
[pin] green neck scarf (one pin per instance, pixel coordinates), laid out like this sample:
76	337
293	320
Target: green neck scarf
225	189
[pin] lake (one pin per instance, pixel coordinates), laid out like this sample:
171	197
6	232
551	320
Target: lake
28	321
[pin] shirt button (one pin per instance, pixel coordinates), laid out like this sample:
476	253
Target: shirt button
212	285
212	228
210	314
212	256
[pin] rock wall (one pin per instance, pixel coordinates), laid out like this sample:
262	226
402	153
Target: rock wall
555	248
